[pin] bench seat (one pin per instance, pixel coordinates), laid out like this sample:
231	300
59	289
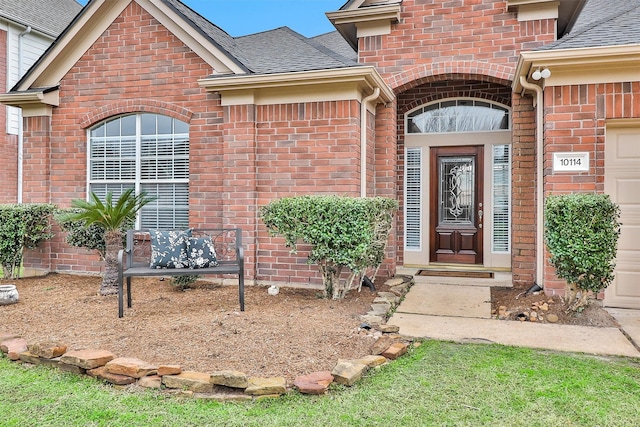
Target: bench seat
133	261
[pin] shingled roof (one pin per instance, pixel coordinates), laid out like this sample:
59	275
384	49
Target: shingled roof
275	51
50	17
603	23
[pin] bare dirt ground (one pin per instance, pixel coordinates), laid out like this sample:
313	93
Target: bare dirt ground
519	307
201	329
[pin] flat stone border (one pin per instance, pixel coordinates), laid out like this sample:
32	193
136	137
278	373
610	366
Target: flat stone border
223	385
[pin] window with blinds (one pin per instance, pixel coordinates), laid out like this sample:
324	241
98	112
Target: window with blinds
413	199
146	152
501	237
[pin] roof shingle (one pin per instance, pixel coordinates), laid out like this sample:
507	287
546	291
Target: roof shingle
50	17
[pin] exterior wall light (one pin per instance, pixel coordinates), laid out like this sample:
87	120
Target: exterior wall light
537	74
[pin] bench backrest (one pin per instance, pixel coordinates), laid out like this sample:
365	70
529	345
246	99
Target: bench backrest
225	241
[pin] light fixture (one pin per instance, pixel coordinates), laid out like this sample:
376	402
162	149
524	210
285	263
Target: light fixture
537	74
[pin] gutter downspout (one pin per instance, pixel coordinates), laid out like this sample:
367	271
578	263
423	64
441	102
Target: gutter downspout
539	181
20	128
363	140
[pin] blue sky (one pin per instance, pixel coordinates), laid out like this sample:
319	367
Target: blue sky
242	17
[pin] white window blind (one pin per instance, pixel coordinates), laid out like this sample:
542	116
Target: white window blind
501	237
146	152
413	199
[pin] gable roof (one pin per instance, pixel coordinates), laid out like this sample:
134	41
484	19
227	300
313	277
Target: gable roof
50	17
602	23
283	50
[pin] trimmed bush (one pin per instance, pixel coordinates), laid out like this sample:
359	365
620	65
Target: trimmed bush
343	232
22	226
582	233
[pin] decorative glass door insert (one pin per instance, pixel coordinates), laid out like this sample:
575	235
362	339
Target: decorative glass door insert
456	205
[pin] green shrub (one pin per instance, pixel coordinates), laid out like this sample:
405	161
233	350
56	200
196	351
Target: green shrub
581	234
183	282
22	226
343	232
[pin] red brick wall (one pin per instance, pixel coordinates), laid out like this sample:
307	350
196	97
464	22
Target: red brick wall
455	48
575	120
523	191
135	66
8	143
306	148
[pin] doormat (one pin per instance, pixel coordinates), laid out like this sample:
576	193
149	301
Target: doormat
457	273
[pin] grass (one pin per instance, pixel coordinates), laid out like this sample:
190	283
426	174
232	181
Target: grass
438	383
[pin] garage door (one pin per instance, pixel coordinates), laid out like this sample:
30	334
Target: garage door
622	183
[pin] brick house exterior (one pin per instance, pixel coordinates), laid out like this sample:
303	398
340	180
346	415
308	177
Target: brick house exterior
350	112
26	30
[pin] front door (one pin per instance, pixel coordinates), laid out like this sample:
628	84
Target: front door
456	205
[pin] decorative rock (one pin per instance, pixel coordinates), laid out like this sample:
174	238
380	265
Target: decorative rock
223	397
27	357
8	294
169	370
131	367
379	309
13	347
87	359
47	350
348	373
315	383
73	369
7	336
371	360
382	300
197	382
102	373
233	379
389	329
372	320
395	350
383	343
150	381
544	307
552	318
264	386
389	296
394	281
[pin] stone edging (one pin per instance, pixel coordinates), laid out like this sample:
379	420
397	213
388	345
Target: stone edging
220	385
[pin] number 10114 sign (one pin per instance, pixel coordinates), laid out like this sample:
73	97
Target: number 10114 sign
571	162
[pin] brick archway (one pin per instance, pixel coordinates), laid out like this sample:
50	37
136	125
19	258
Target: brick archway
451	70
136	106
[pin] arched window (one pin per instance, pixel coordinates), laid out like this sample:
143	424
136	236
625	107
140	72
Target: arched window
458	115
146	152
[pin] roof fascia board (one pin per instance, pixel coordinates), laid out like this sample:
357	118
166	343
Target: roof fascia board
33	103
579	66
249	87
378	13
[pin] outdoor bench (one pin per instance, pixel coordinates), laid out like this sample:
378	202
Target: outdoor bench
136	259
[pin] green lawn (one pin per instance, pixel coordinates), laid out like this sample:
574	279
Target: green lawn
436	384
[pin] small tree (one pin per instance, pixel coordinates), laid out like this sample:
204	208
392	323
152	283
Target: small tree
343	232
111	218
22	226
582	233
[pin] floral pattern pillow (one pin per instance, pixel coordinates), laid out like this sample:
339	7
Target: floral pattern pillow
202	253
169	248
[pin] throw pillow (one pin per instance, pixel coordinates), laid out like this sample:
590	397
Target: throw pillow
169	248
202	253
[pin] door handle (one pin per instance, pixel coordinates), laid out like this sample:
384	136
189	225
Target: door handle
480	214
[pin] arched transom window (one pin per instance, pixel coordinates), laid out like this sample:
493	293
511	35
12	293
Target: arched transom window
146	152
458	115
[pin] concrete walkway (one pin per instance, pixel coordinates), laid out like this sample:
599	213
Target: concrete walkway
462	313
